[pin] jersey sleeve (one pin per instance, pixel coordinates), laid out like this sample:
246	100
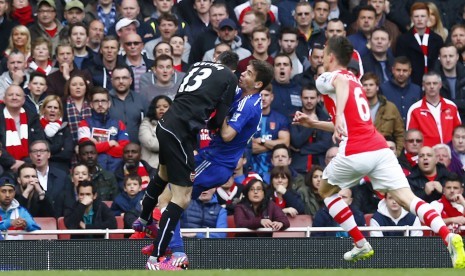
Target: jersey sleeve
324	83
243	114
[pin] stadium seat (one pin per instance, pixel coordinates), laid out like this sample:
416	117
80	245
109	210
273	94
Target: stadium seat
108	203
47	223
62	226
368	218
231	224
119	225
297	221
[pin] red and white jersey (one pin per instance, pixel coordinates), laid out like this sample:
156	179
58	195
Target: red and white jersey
362	135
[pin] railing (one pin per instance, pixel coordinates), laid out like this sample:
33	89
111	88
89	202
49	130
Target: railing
208	231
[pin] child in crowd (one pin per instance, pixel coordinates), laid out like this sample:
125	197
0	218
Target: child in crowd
35	92
130	199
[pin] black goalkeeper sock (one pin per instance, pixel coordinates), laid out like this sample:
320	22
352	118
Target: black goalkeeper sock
154	189
167	224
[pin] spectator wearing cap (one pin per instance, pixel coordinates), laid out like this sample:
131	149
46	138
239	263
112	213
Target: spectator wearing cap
74	13
168	26
130	9
228	34
103	10
47	24
12	215
125	26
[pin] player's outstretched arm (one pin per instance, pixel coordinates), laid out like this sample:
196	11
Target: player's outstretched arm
303	119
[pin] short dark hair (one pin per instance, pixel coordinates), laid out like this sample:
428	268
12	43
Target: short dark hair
281	146
288	30
123	67
86	183
366	8
453	177
154	51
229	59
402	60
109	38
168	17
26	166
132	176
162	57
381	29
264	72
309	86
99	90
77	24
38	74
341	48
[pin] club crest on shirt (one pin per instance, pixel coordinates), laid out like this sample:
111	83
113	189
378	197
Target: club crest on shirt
272	125
192	176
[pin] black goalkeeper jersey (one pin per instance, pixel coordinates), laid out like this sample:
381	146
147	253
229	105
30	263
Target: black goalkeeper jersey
205	87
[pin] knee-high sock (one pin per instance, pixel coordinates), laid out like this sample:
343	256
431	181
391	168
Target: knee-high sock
342	214
150	200
168	221
429	217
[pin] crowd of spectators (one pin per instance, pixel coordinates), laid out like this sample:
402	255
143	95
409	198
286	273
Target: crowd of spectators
84	83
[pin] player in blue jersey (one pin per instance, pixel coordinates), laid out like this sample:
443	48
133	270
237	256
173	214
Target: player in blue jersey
216	163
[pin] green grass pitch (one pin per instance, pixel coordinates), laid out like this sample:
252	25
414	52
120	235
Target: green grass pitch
278	272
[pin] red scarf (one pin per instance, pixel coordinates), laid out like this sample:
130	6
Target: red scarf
448	211
36	68
16	143
142	172
280	203
423	45
23	15
411	159
227	195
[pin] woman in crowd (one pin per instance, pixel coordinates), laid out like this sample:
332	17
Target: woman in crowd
283	194
148	139
80	172
41	56
435	22
77	107
20	39
256	211
57	132
309	193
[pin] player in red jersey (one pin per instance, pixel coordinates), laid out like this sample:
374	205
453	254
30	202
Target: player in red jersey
363	151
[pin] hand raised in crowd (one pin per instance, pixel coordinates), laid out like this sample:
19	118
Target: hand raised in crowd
113	143
458	198
86	200
17	77
303	119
